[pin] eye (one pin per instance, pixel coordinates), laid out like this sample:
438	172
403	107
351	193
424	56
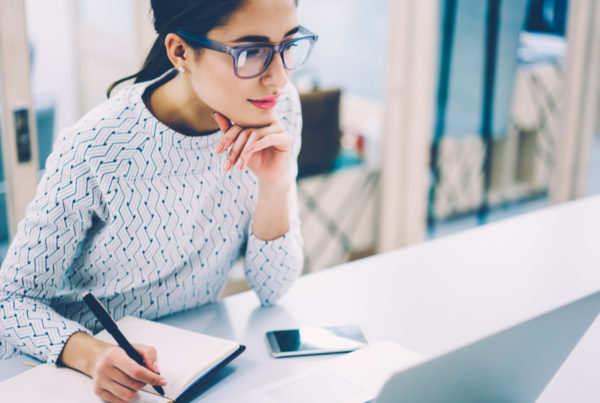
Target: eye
250	53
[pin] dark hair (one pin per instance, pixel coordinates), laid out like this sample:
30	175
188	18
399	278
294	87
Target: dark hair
195	16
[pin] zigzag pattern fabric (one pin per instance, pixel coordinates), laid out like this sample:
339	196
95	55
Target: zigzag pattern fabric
143	217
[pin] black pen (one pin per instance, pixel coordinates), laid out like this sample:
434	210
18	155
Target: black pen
109	324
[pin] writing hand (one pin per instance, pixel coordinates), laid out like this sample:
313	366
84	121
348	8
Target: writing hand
117	377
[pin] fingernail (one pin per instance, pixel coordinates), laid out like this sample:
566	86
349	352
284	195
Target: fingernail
163	382
227	165
156	368
239	164
218	149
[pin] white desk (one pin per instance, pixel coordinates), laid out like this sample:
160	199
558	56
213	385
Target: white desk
430	298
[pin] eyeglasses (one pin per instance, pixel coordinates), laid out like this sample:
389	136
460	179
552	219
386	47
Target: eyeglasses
250	61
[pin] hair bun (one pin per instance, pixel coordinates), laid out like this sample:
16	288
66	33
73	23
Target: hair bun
163	11
196	16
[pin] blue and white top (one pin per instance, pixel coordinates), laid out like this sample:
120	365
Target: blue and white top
143	217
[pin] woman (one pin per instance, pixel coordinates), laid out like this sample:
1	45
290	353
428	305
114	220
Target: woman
153	195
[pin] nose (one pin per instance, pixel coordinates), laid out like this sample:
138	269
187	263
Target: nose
275	75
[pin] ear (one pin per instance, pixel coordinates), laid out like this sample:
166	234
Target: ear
177	50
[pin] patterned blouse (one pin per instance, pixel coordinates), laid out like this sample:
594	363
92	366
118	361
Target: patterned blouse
144	218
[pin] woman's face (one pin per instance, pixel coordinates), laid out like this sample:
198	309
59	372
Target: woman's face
212	75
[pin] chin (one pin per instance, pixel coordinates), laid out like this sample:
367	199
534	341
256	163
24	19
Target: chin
260	119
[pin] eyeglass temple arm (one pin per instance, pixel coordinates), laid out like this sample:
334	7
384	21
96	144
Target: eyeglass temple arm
304	31
205	42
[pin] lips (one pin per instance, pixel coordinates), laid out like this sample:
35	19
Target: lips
265	102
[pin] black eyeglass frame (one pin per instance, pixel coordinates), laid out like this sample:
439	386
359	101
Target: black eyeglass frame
235	51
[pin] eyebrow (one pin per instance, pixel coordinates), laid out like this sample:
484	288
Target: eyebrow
257	38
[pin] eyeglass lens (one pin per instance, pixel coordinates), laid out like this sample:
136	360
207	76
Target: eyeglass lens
252	61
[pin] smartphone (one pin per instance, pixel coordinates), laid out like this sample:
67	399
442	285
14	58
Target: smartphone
311	340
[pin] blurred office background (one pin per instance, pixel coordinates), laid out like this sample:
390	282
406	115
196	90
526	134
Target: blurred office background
421	118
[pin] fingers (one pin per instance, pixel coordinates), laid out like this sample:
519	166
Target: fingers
279	141
231	132
106	396
139	373
246	145
125	380
222	121
245	155
150	356
233	160
245	142
117	377
113	391
228	139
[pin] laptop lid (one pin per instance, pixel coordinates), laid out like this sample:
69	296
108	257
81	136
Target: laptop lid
513	365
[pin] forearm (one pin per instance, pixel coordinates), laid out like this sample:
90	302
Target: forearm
81	352
271	218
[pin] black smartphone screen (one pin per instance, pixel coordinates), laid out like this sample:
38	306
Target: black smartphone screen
314	340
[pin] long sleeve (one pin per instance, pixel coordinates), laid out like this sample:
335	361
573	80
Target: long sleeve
271	267
47	242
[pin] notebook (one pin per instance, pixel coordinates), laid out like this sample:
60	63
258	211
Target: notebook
186	360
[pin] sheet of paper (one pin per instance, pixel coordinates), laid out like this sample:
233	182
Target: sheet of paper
47	383
357	377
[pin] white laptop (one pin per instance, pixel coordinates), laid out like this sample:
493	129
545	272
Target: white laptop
512	365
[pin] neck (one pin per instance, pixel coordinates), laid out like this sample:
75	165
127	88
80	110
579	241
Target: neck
176	105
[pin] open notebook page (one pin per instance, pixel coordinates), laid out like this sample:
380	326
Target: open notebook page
49	384
183	355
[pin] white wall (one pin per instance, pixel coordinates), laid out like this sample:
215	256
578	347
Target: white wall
352	51
51	33
81	46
